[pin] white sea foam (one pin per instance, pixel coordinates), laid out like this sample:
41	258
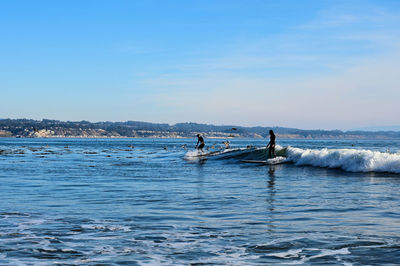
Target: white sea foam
330	252
193	154
278	159
293	253
351	160
323	253
102	227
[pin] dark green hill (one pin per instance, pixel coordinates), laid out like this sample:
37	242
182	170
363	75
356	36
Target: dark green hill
56	128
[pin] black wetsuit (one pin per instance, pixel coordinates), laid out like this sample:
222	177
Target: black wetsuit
271	145
272	140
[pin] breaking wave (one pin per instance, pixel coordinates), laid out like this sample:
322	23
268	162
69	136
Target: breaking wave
351	160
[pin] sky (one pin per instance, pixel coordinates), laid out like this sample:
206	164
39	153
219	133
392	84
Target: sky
304	64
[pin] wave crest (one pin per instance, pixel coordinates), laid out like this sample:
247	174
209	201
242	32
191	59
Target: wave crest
351	160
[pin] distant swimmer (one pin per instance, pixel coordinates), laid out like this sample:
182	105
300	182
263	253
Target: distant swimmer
200	140
227	144
271	145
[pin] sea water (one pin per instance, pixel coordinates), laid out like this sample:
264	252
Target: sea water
149	202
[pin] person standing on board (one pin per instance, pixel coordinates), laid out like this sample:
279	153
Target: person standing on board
200	140
271	144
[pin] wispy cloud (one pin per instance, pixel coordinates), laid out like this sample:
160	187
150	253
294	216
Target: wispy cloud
351	14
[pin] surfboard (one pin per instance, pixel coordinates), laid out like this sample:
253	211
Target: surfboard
273	161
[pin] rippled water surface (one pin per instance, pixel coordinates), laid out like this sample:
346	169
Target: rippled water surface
139	201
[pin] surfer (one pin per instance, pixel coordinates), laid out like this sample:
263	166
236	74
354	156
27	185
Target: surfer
200	140
271	144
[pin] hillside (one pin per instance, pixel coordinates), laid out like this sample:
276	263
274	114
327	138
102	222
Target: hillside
135	129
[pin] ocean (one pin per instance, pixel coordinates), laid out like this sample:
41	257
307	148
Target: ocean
151	202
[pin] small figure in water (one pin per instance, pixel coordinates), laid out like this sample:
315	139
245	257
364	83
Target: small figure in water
227	144
271	145
200	140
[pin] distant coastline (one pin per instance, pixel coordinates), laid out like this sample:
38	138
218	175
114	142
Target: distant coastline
27	128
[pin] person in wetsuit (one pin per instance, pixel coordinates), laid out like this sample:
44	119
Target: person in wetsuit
200	140
271	145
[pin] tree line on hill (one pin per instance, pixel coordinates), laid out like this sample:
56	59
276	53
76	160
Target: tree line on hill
28	127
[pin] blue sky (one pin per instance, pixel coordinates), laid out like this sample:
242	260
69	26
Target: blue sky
306	64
